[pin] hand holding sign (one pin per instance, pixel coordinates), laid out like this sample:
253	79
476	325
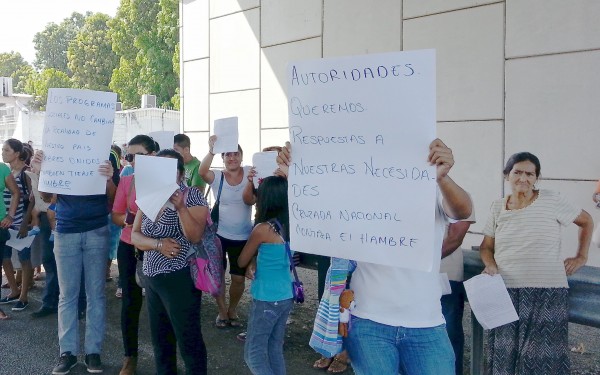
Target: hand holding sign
265	165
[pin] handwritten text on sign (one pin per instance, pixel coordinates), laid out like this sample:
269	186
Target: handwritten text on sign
77	135
360	186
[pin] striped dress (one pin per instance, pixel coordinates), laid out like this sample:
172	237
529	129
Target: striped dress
18	219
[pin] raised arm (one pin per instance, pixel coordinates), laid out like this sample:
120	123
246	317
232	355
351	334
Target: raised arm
457	203
204	169
249	193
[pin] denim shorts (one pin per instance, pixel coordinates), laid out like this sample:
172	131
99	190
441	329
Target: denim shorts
24	255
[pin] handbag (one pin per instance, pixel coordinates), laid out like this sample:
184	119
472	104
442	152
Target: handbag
206	261
297	286
214	213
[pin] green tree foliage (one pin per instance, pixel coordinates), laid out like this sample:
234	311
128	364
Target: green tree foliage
90	55
52	43
38	84
144	34
13	65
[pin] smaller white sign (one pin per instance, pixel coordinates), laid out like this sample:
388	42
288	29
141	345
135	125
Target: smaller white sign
226	130
19	243
164	138
490	301
265	164
155	182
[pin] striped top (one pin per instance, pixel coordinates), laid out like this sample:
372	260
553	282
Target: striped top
18	219
168	226
527	241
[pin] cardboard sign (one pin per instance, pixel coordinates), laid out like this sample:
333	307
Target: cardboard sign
78	131
360	186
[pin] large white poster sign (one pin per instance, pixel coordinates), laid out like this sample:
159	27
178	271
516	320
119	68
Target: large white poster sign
77	136
360	186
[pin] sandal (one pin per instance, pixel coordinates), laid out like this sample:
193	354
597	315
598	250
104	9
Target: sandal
221	323
322	363
235	322
337	366
3	315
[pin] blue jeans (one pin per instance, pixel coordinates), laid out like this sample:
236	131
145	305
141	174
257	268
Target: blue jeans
263	351
76	252
453	307
376	348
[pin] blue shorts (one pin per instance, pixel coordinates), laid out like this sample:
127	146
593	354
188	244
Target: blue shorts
24	255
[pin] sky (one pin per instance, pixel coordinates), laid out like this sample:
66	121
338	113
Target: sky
22	19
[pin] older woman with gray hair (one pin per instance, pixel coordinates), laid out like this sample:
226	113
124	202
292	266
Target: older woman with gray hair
522	243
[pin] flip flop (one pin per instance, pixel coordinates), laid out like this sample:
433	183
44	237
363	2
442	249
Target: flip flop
221	323
337	366
235	322
322	363
3	315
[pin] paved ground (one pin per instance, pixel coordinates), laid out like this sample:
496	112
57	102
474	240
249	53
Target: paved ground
31	346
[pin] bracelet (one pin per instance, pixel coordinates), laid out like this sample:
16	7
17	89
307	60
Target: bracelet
160	243
156	244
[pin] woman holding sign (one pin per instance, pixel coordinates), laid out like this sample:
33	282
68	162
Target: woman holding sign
173	300
123	214
522	243
234	222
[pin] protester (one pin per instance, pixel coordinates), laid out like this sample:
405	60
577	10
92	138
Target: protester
81	242
123	212
453	304
182	145
44	242
114	231
7	214
271	287
396	302
172	299
234	224
522	239
16	155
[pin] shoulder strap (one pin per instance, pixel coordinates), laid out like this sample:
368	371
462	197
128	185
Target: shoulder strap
220	188
276	225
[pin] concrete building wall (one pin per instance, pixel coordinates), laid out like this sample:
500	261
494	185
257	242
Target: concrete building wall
513	75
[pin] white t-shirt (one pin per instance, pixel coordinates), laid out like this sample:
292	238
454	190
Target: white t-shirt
527	241
234	214
401	297
452	265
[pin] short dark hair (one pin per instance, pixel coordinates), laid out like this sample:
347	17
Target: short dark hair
182	140
170	153
149	144
520	157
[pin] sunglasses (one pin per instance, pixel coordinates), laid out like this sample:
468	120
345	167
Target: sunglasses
131	157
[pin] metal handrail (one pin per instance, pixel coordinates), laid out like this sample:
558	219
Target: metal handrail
584	302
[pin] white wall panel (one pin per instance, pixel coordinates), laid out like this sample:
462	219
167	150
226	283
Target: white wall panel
289	20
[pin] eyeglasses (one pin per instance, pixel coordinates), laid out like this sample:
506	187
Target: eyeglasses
131	157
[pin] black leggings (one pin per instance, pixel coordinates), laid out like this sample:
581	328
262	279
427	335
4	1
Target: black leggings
131	303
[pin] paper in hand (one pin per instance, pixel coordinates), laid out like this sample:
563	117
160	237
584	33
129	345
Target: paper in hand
265	164
226	130
19	243
155	181
489	301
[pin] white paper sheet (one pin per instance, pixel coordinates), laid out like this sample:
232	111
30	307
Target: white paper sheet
445	284
226	130
164	138
19	243
489	301
155	181
265	164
